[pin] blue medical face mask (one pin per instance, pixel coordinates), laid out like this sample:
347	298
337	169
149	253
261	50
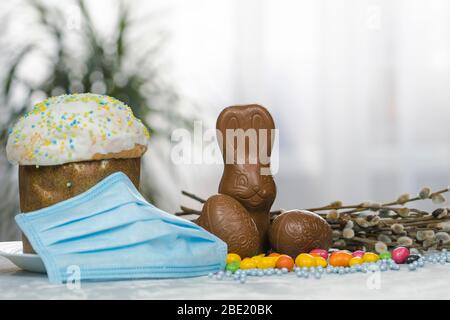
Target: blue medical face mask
111	232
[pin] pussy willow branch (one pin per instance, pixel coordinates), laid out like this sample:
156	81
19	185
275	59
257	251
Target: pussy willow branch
193	196
356	208
363	207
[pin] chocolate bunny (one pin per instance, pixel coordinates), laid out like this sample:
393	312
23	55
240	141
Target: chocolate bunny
240	213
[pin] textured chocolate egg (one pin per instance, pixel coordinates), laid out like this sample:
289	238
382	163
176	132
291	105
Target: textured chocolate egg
299	231
226	218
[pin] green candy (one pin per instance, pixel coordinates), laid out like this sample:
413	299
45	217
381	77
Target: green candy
385	255
233	267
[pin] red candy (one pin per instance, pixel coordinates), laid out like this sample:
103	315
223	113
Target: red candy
358	253
400	254
319	253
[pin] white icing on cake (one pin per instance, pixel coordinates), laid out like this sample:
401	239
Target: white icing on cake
72	128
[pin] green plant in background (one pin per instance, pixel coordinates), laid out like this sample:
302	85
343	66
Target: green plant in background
105	65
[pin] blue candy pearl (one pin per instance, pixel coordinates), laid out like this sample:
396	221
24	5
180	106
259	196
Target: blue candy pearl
411	267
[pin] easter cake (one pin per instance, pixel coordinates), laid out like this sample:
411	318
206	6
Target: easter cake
66	144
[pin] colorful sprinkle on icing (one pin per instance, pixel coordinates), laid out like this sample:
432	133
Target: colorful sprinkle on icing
74	127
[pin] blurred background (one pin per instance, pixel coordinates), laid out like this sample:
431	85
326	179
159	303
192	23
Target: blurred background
359	89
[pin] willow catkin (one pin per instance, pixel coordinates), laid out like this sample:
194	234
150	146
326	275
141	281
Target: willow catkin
332	215
428	235
403	212
336	234
404	241
425	193
384	238
348	233
397	228
442	237
362	222
420	235
403	198
381	247
349	225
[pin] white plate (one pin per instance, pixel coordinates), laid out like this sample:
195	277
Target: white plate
12	250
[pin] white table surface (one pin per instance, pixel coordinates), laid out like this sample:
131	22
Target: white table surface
431	282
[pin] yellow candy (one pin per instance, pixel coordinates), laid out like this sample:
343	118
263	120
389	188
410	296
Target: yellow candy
355	260
320	261
233	257
305	260
248	263
370	257
266	262
256	258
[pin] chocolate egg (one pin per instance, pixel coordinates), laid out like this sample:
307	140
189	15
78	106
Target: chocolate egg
299	231
226	218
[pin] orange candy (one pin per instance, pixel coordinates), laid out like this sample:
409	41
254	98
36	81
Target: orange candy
340	259
285	261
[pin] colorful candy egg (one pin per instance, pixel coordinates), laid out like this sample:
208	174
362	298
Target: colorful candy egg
400	254
305	260
412	258
274	254
257	258
267	262
232	257
370	257
285	261
233	266
248	263
319	253
358	253
320	261
340	259
355	260
386	255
